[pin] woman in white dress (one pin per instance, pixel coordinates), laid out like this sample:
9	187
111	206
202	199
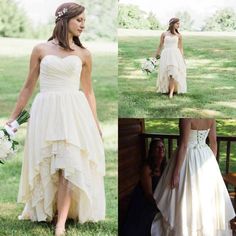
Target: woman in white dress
191	194
172	69
64	163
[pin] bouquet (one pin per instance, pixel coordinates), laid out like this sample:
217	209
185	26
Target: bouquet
7	144
149	65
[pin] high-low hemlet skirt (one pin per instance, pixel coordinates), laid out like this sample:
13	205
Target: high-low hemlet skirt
171	64
62	135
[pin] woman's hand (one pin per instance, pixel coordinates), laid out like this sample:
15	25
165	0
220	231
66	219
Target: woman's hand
9	123
175	179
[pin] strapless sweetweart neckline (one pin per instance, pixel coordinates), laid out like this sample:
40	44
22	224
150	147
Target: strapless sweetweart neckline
171	36
60	57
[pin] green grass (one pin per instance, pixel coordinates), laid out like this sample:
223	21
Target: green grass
211	74
225	127
13	71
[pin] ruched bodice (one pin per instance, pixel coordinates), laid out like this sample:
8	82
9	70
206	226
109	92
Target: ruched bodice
198	137
171	41
55	70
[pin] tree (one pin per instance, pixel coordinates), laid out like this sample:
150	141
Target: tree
222	20
153	21
101	19
131	17
186	22
13	20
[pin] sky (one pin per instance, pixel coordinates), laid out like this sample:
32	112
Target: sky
166	9
40	11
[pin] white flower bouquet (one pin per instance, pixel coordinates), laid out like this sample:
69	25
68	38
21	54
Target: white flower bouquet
149	65
7	144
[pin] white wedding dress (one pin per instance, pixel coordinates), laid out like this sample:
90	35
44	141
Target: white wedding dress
200	205
171	63
62	134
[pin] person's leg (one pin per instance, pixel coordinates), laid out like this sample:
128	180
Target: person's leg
63	204
171	86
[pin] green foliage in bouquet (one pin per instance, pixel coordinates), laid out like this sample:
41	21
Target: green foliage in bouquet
22	118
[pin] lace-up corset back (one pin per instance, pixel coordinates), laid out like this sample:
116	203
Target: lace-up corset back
171	41
198	137
54	70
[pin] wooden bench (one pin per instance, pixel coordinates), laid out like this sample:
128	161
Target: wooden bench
230	178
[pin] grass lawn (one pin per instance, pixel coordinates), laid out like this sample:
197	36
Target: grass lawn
13	71
211	74
225	127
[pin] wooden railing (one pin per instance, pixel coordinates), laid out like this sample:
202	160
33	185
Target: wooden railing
171	139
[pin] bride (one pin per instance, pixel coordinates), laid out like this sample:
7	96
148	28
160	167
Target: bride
63	167
172	69
191	194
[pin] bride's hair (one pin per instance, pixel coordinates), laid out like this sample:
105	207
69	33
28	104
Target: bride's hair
171	28
63	14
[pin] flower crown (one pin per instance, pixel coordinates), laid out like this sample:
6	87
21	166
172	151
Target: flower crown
61	13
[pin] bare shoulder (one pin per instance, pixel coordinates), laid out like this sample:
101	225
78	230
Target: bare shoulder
212	122
163	34
85	55
40	48
185	121
37	48
179	35
185	124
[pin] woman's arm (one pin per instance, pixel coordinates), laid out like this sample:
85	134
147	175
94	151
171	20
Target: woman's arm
212	138
159	48
86	85
184	126
29	84
180	45
146	183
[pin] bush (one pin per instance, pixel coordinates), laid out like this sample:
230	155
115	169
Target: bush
13	20
154	24
186	22
222	20
101	19
131	17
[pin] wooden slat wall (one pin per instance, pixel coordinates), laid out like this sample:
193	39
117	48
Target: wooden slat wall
131	150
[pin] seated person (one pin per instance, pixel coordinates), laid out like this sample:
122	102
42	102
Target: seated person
142	208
